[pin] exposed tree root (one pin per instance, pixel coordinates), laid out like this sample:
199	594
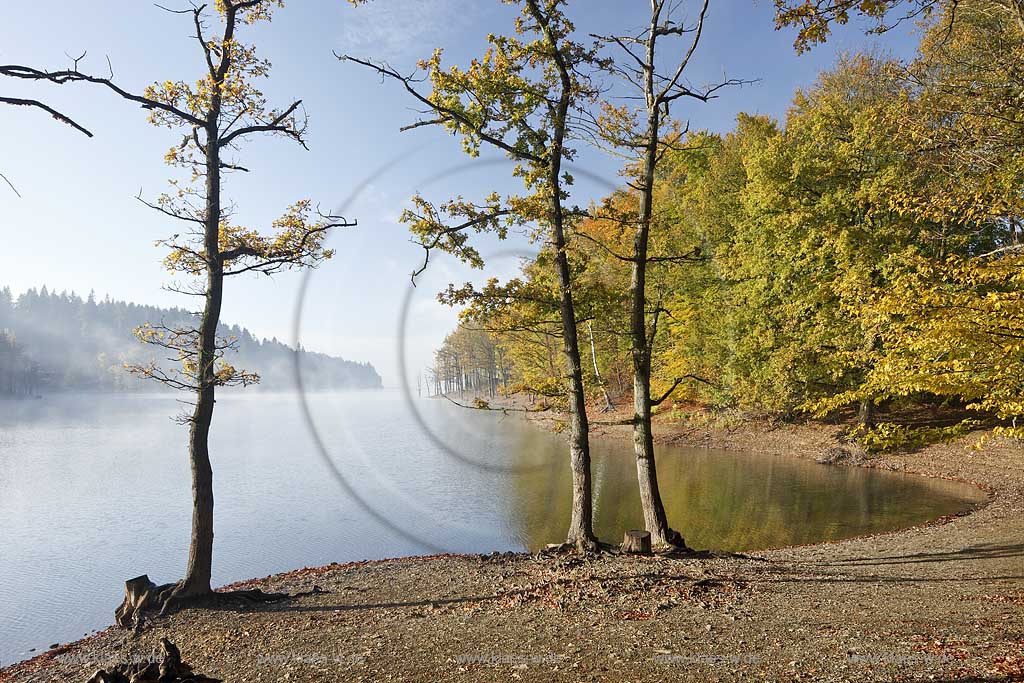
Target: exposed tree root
674	541
143	599
592	546
165	668
580	546
586	545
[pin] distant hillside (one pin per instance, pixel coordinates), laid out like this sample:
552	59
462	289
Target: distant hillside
61	342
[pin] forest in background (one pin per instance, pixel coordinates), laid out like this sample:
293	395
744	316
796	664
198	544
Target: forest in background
863	255
61	342
862	252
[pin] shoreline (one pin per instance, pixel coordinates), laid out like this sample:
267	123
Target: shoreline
898	580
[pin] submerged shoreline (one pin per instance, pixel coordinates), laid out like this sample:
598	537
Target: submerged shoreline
942	599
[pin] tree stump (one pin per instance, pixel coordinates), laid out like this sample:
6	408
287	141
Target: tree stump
140	596
637	542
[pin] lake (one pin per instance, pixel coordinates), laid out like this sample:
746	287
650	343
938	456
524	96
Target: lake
95	490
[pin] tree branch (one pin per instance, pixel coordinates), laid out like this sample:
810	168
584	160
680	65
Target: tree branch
11	185
75	76
63	118
450	114
679	380
275	126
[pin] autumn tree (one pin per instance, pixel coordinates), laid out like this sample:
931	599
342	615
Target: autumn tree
645	134
951	318
862	252
962	128
815	19
522	313
470	360
519	98
215	114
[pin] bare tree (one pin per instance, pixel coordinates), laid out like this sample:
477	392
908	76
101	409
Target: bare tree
646	134
216	114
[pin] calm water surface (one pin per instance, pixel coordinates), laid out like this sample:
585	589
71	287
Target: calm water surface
95	489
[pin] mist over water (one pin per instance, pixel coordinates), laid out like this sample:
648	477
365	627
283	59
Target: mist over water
94	489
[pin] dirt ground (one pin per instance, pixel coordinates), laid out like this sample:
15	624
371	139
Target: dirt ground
939	602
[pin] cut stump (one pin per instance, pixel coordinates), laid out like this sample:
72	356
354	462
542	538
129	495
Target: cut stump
140	596
637	542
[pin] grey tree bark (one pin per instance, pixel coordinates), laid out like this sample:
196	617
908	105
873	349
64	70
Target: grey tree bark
200	554
657	91
642	342
581	525
608	405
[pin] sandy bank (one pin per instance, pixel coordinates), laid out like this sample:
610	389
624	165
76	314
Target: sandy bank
937	602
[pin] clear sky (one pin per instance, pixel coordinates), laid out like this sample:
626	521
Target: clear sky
78	226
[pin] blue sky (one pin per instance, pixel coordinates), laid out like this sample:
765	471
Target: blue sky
78	225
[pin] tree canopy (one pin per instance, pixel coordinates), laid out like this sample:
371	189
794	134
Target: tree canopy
864	251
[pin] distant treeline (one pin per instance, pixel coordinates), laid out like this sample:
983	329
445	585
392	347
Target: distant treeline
61	342
469	360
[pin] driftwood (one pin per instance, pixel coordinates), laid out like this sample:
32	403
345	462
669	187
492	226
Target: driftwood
637	542
164	668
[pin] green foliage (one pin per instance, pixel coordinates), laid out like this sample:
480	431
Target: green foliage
868	248
887	436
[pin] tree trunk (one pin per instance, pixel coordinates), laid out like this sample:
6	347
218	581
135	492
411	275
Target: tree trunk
608	405
866	408
581	525
642	344
655	519
140	597
865	414
200	554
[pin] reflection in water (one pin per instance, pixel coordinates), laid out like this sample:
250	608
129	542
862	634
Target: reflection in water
95	489
729	501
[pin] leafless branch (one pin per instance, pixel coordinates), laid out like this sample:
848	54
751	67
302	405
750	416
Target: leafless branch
75	76
166	212
483	405
63	118
675	385
11	185
276	125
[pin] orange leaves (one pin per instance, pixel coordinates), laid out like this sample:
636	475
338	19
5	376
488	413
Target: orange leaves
813	19
297	241
261	11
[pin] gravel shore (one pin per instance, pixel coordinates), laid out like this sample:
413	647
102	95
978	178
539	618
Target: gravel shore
939	602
